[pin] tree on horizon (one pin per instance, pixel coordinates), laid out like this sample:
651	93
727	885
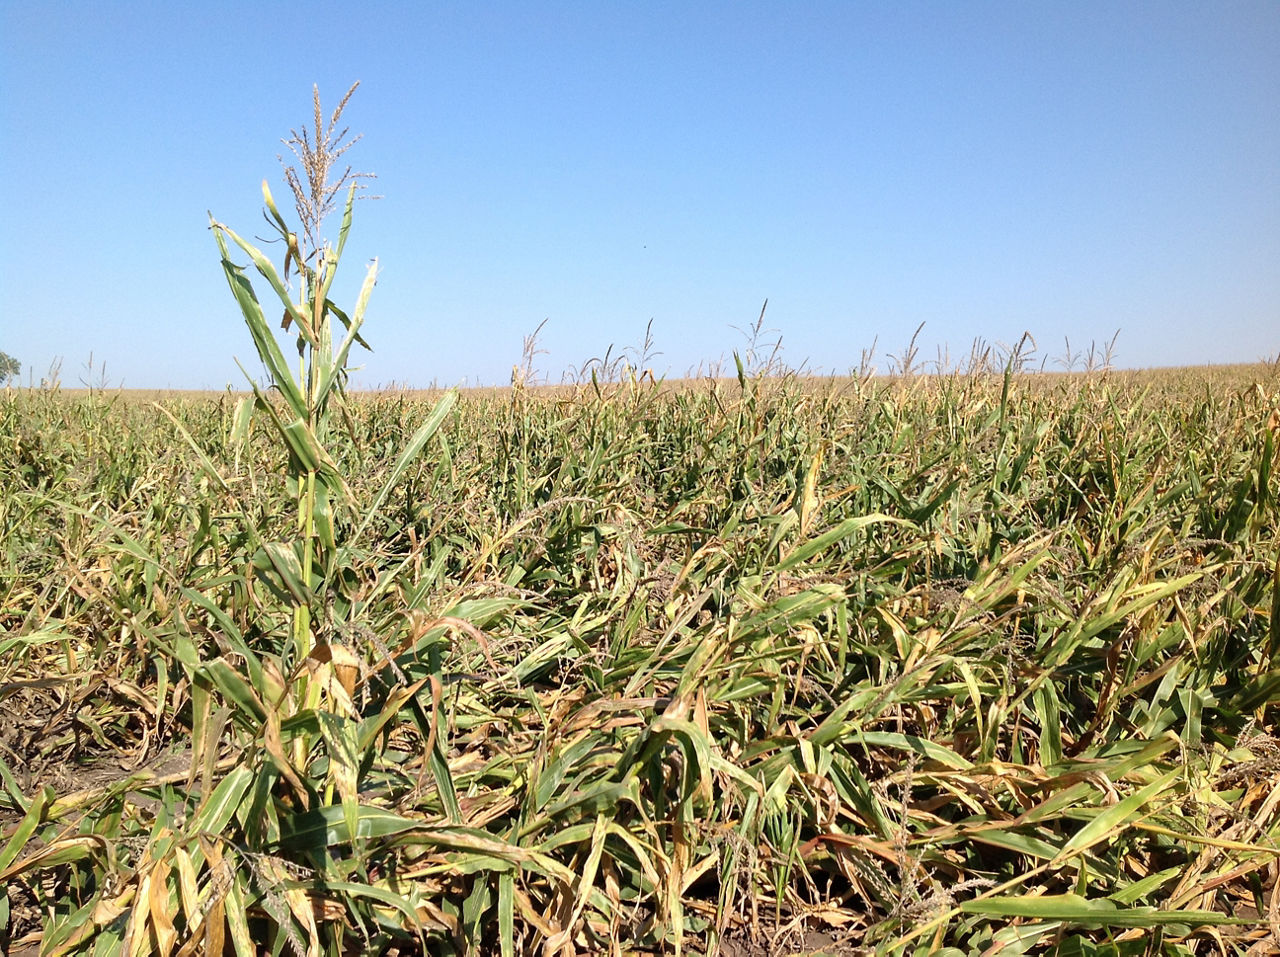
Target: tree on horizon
10	368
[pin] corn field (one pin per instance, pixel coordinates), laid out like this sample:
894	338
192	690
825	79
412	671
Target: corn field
930	665
977	662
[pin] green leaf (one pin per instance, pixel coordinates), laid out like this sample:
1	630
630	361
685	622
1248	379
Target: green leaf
506	914
218	808
329	826
549	778
268	272
1147	885
833	535
1013	841
346	322
26	827
909	742
696	747
263	338
790	610
1047	710
279	565
1116	816
228	681
416	443
1074	909
338	367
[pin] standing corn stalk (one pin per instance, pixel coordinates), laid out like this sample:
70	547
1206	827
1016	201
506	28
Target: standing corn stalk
303	572
314	481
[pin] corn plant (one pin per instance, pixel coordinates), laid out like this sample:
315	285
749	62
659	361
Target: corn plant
309	696
291	707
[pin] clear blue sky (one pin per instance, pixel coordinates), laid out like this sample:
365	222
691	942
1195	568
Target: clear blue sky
1069	169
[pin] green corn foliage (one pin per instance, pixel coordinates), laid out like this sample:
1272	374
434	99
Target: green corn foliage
303	423
947	665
